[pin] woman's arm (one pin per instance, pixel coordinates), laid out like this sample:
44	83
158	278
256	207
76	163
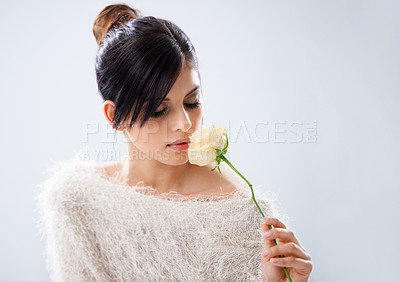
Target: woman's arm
71	251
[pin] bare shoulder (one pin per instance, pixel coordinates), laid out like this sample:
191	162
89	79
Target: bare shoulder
226	182
111	168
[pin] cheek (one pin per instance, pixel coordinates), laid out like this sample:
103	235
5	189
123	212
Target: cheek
197	117
150	136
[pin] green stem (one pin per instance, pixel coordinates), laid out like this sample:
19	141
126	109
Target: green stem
254	199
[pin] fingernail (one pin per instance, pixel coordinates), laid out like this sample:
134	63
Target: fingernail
267	234
267	218
265	252
274	260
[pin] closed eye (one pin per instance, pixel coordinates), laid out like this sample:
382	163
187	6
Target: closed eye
163	111
160	113
194	105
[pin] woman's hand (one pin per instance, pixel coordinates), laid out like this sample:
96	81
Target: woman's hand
293	256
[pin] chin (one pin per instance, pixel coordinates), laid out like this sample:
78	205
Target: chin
177	160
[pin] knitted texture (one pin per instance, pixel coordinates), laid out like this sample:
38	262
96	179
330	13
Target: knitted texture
100	229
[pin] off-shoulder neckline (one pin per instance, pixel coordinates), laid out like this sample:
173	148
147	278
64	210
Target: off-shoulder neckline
148	192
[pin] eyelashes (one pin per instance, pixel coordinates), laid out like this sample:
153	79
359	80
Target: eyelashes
163	111
160	113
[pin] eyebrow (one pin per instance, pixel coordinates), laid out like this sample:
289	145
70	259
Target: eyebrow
191	92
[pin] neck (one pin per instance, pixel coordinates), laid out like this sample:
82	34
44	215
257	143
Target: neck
164	178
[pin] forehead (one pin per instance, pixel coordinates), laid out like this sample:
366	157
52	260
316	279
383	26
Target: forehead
187	80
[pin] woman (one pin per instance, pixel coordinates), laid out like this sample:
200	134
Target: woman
183	223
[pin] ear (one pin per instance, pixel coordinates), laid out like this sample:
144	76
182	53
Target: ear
108	110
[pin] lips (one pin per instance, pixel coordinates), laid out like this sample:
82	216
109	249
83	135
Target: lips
181	141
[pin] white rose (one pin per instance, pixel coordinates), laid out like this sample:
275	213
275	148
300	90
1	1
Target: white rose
204	142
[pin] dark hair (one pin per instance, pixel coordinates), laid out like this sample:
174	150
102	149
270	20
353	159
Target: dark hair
138	60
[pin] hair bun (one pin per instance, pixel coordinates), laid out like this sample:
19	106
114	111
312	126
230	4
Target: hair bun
111	17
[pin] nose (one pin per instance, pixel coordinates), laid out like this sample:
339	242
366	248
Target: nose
182	121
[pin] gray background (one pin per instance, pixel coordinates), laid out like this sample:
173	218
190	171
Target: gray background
333	65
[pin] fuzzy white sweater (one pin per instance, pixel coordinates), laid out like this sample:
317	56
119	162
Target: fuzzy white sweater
100	229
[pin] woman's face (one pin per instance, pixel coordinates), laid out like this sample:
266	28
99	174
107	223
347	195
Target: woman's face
178	116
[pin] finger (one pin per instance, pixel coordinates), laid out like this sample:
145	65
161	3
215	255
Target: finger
298	263
268	242
287	250
267	225
274	221
284	235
